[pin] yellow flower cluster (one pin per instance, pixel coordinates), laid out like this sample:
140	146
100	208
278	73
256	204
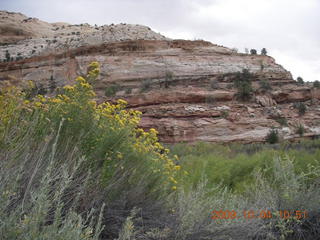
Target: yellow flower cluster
12	101
78	108
148	142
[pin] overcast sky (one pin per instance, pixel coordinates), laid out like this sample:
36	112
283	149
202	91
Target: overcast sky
288	29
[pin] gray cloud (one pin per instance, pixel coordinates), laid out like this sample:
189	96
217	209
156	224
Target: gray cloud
289	29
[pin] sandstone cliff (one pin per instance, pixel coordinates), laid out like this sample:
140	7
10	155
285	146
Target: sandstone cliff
184	88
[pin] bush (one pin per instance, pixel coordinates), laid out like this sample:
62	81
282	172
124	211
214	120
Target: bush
145	85
265	85
300	81
112	90
282	121
7	55
300	130
234	164
121	164
270	191
264	51
224	114
39	195
52	84
168	79
128	90
301	108
243	83
316	84
253	52
34	89
273	136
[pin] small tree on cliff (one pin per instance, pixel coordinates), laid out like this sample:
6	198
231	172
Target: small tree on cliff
168	78
253	52
300	80
273	136
7	56
316	84
52	84
301	108
264	51
243	83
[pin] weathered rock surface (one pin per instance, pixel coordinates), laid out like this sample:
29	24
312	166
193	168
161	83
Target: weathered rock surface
24	37
184	88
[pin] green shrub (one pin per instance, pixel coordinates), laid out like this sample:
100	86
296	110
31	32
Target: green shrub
300	81
145	85
7	55
224	114
34	89
264	51
128	90
301	108
273	136
282	121
280	188
316	84
300	130
265	85
52	84
253	51
243	83
168	79
112	90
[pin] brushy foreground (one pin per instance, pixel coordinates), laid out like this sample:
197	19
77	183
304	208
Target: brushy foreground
74	169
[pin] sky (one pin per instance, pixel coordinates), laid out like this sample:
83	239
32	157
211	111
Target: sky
288	29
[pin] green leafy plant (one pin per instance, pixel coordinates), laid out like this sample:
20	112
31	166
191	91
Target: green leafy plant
273	136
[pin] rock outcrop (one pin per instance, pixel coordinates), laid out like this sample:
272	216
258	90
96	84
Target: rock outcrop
184	88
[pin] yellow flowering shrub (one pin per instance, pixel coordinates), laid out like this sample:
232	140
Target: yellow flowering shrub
106	133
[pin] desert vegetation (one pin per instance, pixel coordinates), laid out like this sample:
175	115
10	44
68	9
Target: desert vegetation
111	90
71	168
243	83
301	107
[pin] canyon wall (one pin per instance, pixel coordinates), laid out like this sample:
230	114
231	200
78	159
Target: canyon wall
185	89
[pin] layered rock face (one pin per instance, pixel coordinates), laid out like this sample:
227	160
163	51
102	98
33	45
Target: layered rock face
183	88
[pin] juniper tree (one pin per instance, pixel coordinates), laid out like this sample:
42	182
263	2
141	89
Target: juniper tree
264	51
